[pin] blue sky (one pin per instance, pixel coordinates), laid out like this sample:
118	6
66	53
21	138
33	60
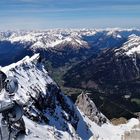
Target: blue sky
44	14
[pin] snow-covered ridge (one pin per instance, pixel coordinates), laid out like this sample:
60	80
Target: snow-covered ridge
66	121
25	60
33	80
44	40
28	75
130	47
61	113
52	38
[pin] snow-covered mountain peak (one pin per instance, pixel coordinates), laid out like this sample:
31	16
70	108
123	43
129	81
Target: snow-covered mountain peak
75	42
130	47
132	36
114	33
51	38
30	75
23	38
26	60
46	39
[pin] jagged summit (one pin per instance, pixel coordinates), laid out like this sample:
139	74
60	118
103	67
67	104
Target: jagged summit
41	39
52	38
26	60
87	106
132	46
60	46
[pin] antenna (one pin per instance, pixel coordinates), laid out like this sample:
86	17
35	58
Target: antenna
2	79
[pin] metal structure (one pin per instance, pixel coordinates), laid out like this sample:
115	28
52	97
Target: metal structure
11	111
2	79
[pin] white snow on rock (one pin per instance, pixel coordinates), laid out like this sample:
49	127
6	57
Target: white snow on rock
130	47
33	78
41	39
52	38
106	131
28	75
44	132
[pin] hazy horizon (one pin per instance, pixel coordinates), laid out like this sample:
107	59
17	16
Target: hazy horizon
51	14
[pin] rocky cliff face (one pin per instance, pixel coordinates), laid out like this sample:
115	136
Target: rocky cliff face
87	106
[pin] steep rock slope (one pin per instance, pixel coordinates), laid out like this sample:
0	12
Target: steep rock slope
105	131
44	102
87	106
112	68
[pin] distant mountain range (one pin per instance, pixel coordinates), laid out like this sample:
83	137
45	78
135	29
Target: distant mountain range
59	46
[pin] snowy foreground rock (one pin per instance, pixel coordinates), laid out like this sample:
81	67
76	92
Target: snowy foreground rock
49	114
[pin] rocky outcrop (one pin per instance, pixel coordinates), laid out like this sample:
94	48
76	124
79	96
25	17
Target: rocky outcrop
87	106
2	79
